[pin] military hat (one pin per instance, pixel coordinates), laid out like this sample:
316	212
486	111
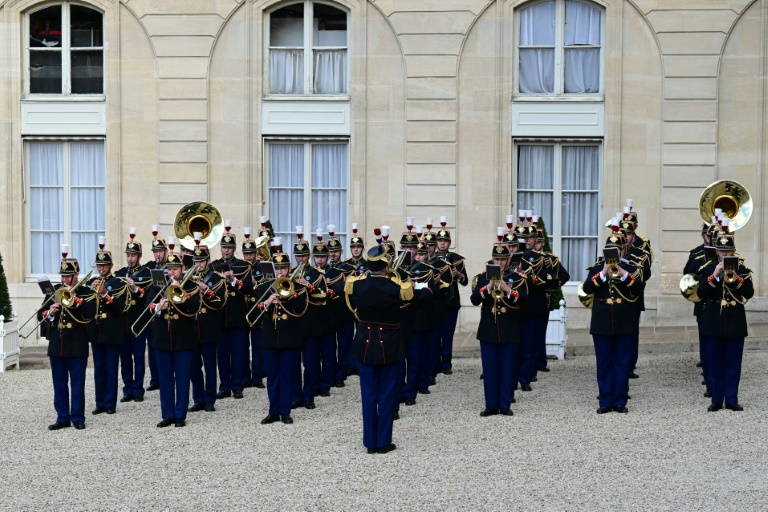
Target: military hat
133	247
249	246
500	251
267	232
158	244
627	226
390	246
713	229
280	259
510	238
69	267
300	248
103	258
724	241
408	239
539	234
521	231
429	238
632	217
422	248
616	239
533	231
334	244
229	240
320	249
356	241
174	260
377	258
444	234
201	253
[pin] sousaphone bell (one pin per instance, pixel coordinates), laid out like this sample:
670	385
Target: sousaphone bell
202	218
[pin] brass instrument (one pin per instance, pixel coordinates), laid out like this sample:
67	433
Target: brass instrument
689	287
730	270
64	298
392	273
732	198
283	286
199	217
175	292
586	299
149	320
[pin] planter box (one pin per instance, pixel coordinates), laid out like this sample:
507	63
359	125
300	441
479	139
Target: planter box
9	343
556	334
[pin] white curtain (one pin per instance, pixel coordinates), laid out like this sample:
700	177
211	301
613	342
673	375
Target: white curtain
329	187
286	192
87	206
46	205
537	65
286	71
330	71
535	180
581	172
582	65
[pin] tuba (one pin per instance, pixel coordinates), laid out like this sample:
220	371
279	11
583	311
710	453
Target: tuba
199	217
586	299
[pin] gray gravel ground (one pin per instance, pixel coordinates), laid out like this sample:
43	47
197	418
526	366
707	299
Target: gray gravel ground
555	453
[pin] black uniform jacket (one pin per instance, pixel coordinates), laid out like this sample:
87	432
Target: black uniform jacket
443	281
723	312
615	309
457	262
135	302
422	311
174	328
696	261
250	300
232	315
355	268
281	324
108	327
500	319
211	302
557	276
67	332
317	321
534	264
335	306
377	302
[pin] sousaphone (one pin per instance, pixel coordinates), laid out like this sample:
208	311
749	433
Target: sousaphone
198	217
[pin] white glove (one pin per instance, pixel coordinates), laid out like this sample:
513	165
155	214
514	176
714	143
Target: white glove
419	286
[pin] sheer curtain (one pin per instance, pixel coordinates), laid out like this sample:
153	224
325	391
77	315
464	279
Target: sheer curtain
46	205
580	182
537	64
87	206
330	71
535	180
329	187
286	192
286	71
582	65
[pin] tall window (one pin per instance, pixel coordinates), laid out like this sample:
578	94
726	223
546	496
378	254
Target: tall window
65	201
65	50
308	45
560	183
560	48
308	186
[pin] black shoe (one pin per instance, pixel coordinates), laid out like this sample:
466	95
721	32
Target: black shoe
248	384
544	369
707	394
111	411
153	387
127	398
425	391
410	401
309	405
698	365
99	410
506	412
237	394
534	379
396	416
489	412
633	375
138	398
271	418
197	407
621	409
352	371
210	408
482	376
286	418
58	426
79	425
514	401
734	407
296	405
167	422
526	387
325	393
179	423
432	381
223	394
714	407
371	451
603	410
387	449
258	384
629	397
703	382
339	384
447	371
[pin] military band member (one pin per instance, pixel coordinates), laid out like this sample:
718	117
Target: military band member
697	260
213	296
459	275
345	324
174	341
443	274
423	313
68	347
724	292
159	259
614	325
557	276
254	373
281	338
233	344
354	265
640	255
106	332
535	316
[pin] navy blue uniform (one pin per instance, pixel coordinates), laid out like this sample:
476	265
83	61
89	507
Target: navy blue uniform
257	371
535	316
345	331
319	349
448	328
132	358
207	336
423	325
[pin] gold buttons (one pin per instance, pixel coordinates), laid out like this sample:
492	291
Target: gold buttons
232	294
165	316
618	301
609	301
203	310
284	317
503	309
723	302
175	316
103	315
69	325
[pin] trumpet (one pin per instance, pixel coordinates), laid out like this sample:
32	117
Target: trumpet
497	293
65	298
283	286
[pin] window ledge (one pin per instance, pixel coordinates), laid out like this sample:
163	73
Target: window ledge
63	98
596	98
306	97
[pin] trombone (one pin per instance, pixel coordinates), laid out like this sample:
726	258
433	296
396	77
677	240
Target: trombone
174	293
392	273
65	298
283	286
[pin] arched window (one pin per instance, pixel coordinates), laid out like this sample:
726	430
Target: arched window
307	44
560	48
65	46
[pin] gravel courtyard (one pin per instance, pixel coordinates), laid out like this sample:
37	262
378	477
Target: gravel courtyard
555	453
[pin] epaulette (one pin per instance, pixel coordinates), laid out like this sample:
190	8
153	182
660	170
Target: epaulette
321	270
406	291
474	281
350	281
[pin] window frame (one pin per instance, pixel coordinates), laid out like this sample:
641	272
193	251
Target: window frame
559	93
67	198
309	49
65	49
554	226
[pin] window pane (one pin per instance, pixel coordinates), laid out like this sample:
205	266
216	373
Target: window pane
537	71
286	166
537	25
581	167
87	164
46	205
45	252
286	26
45	28
84	248
46	163
330	71
286	71
329	26
46	209
582	70
535	167
87	72
329	170
286	207
539	202
582	24
578	255
45	72
86	27
579	211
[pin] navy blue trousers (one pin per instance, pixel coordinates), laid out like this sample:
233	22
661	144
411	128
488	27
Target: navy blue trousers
204	385
154	373
378	390
257	357
614	364
105	363
541	356
310	353
232	349
328	361
498	373
447	329
344	336
66	372
423	341
297	393
725	356
279	364
434	340
527	350
704	354
174	370
132	364
416	374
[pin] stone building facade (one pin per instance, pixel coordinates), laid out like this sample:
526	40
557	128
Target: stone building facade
384	109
